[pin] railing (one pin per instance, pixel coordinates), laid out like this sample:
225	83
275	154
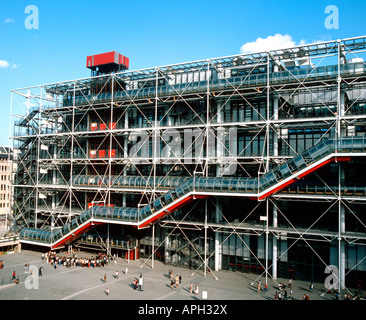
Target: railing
308	188
255	80
123	243
134	182
95	212
32	112
251	80
252	186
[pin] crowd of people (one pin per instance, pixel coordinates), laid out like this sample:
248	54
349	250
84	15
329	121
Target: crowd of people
348	296
174	282
285	292
100	260
177	280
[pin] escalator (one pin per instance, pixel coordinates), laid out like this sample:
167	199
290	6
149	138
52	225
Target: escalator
24	122
275	180
320	189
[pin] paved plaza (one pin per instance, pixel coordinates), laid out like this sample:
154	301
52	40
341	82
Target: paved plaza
77	283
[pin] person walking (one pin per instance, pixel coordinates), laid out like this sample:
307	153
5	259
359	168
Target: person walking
116	274
196	289
141	281
259	287
280	286
176	281
14	276
311	287
107	292
290	283
191	288
265	287
105	278
135	284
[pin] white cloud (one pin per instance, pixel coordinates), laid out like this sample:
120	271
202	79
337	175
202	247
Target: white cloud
4	64
9	20
278	41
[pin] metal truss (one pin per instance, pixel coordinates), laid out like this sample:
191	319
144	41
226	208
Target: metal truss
90	127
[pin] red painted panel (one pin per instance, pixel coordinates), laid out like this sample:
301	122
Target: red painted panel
280	187
76	234
277	189
342	159
106	58
126	62
99	204
179	204
171	210
315	168
103	58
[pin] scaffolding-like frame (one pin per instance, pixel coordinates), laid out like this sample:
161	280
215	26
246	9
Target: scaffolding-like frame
39	126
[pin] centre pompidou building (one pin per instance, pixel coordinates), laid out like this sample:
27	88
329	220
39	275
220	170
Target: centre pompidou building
252	162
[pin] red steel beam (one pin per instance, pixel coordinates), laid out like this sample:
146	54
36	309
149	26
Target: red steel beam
76	234
282	186
173	208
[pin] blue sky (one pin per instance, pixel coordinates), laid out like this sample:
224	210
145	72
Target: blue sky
150	32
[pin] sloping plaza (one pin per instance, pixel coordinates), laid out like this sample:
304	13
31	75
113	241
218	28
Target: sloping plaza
87	283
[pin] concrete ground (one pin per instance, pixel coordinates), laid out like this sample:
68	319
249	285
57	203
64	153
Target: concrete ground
77	283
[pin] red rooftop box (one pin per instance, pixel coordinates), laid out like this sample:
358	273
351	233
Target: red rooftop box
112	57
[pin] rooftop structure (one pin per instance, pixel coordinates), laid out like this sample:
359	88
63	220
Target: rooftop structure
107	62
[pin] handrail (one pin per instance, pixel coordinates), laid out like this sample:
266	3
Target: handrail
276	177
280	77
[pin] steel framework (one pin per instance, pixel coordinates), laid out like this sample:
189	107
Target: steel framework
125	139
